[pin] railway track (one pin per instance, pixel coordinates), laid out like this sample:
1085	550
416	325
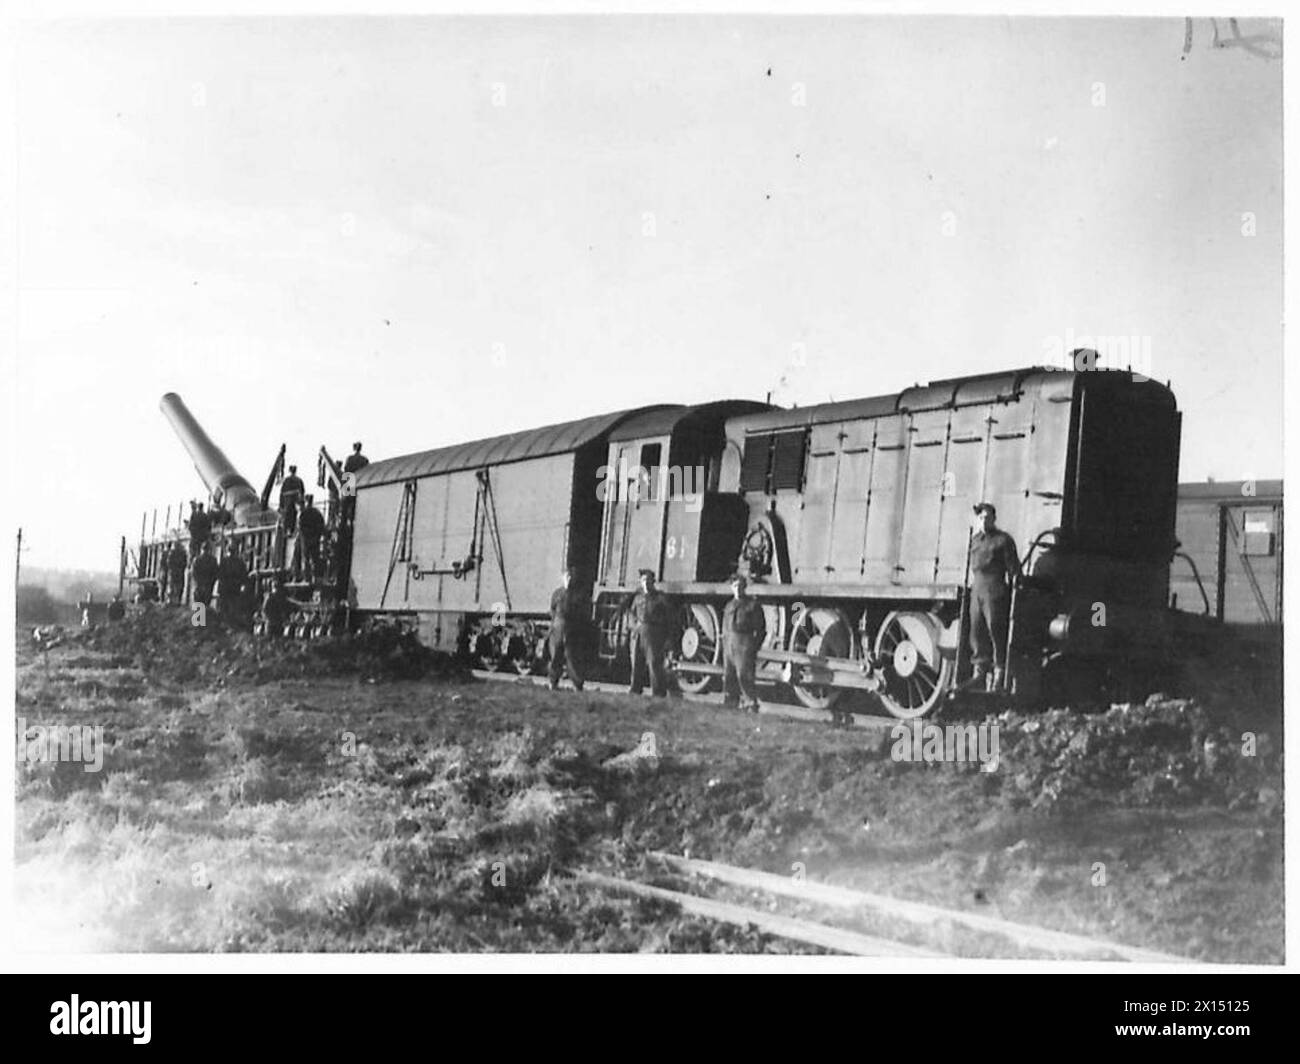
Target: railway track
930	922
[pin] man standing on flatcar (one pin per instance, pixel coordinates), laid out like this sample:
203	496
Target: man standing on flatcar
292	490
651	624
356	461
994	566
200	525
312	525
743	631
352	465
570	615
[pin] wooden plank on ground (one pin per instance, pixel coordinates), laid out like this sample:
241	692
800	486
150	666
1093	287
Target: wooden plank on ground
782	926
915	912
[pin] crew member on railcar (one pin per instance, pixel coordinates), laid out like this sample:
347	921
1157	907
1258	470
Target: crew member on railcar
356	461
570	617
203	574
743	630
352	465
292	490
200	526
312	527
994	567
651	627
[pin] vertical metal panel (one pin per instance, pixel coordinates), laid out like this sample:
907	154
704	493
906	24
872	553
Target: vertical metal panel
1051	447
963	488
848	537
918	552
884	505
372	538
1008	465
812	553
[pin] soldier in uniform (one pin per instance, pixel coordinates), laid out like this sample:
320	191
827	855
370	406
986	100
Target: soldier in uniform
353	464
116	609
743	631
651	624
994	566
276	609
175	568
570	616
200	526
312	529
203	574
356	461
232	575
292	490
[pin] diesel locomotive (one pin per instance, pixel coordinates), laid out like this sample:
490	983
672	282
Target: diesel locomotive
852	519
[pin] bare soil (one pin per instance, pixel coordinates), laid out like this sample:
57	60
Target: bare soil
374	797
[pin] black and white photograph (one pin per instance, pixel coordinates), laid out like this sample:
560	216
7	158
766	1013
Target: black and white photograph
799	490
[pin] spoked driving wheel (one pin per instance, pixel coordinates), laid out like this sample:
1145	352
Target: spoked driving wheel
821	633
700	645
916	674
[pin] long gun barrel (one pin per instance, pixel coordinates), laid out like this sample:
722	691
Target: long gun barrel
214	467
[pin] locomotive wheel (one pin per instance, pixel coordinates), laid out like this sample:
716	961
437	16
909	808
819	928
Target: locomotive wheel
823	632
916	674
699	643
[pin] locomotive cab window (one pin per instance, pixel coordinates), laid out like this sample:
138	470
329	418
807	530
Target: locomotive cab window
650	473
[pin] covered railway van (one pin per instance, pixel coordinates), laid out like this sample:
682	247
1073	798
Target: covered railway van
1229	562
468	541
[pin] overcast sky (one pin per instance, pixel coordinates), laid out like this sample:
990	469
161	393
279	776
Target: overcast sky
415	232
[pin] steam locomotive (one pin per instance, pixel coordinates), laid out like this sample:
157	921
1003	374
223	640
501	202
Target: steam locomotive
852	519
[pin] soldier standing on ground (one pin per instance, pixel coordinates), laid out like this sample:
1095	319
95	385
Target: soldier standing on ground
570	616
743	630
312	528
175	568
203	575
651	624
994	566
232	575
276	609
